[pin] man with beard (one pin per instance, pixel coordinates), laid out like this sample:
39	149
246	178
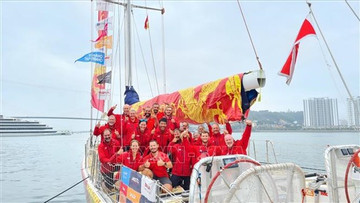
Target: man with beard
158	162
98	130
151	120
180	150
107	156
238	146
217	138
156	111
162	135
172	121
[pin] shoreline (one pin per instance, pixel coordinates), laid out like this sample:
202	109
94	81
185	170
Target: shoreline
310	131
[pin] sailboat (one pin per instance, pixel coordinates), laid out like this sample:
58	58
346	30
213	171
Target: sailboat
229	178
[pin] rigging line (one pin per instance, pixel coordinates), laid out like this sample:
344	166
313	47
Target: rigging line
163	48
337	67
153	60
352	10
92	72
143	57
248	31
67	189
113	64
135	64
328	65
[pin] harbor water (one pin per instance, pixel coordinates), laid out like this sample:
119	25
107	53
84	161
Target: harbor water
34	169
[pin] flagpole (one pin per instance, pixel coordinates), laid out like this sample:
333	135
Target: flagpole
332	57
92	72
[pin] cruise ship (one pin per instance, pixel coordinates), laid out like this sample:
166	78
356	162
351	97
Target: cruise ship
10	127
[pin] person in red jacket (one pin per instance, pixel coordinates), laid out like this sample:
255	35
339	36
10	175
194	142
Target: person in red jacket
162	135
152	121
172	121
158	162
130	128
217	138
180	150
156	111
107	155
238	146
196	138
205	149
120	117
98	130
132	158
142	135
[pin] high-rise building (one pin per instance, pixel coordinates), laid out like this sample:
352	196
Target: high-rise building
320	113
353	113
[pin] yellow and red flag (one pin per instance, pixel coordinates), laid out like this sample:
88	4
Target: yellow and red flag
106	41
218	101
96	102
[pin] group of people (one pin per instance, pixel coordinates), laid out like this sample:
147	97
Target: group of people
156	141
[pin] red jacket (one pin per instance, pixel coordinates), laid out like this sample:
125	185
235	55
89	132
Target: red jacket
196	141
143	138
99	130
162	138
171	125
203	151
129	130
218	138
159	171
151	122
182	162
107	155
120	118
127	159
159	115
239	146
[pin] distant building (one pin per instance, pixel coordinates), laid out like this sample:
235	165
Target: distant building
353	117
320	113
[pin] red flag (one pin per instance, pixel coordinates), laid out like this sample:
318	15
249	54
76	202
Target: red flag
102	33
146	26
288	68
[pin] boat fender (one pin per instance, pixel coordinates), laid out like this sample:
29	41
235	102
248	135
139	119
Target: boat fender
253	80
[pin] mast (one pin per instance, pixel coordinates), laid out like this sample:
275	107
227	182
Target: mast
128	44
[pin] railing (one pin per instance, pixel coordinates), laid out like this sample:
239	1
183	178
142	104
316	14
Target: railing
108	180
270	150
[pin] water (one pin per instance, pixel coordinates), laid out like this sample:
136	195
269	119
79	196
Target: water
33	169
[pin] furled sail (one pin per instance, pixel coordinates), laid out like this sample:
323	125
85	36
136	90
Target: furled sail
228	98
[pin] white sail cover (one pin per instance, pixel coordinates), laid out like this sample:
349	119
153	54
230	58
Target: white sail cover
268	183
336	161
222	184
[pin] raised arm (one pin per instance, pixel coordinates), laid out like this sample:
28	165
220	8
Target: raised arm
244	141
111	110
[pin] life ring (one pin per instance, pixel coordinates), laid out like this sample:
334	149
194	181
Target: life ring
355	160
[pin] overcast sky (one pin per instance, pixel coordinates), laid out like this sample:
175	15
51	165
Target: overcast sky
204	41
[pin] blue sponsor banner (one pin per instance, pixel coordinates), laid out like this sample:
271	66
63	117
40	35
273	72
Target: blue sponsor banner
96	57
135	181
125	175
